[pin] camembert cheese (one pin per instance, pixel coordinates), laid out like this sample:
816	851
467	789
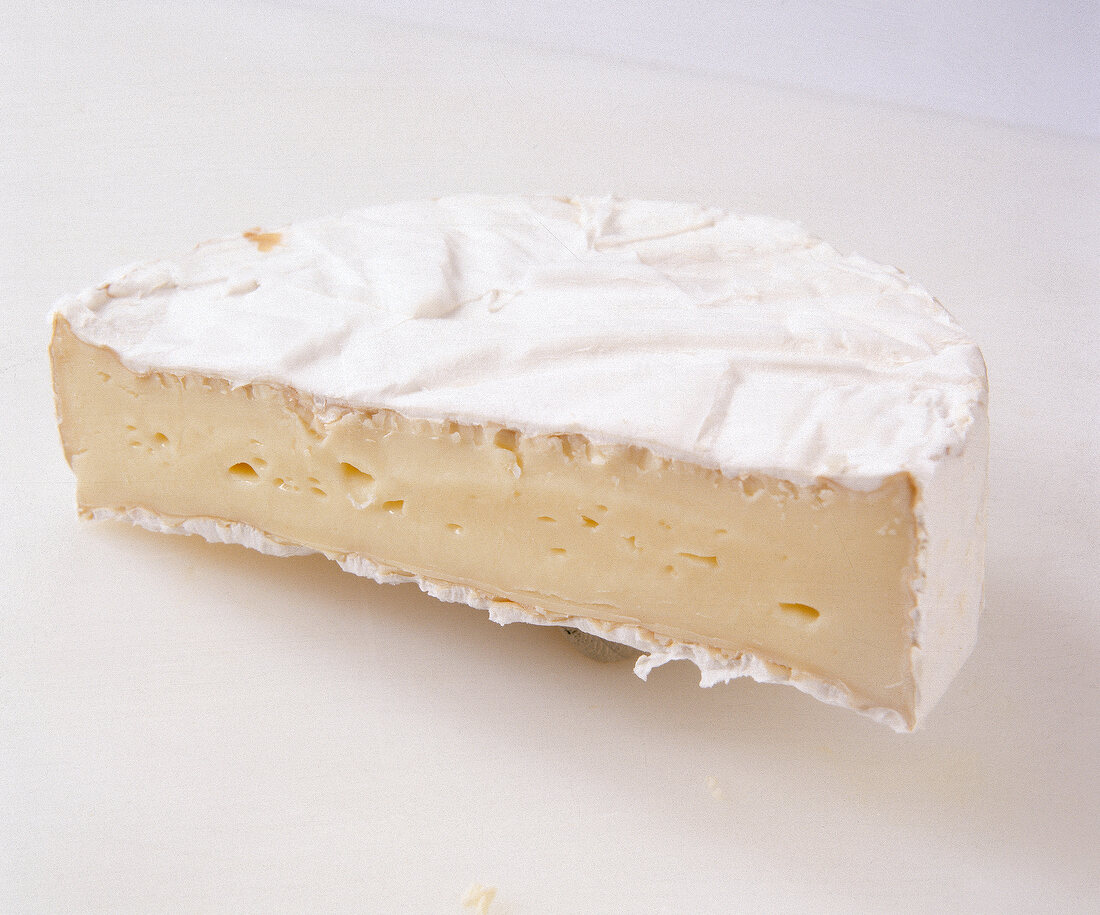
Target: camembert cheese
704	436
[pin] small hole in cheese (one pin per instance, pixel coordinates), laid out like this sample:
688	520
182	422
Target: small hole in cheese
455	528
642	458
802	612
711	561
750	486
394	506
359	484
353	474
243	471
566	445
589	522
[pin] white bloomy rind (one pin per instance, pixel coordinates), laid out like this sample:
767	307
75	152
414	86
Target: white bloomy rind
737	343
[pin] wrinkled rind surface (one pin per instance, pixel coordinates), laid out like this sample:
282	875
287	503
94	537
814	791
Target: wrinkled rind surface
740	343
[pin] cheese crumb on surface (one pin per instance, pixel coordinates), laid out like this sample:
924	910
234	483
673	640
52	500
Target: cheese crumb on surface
715	789
479	898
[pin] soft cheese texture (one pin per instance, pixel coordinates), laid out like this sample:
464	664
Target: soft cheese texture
809	576
731	344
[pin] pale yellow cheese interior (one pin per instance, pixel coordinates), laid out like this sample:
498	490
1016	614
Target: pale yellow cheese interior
817	579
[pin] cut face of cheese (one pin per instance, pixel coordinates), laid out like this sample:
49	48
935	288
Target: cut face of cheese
860	586
806	576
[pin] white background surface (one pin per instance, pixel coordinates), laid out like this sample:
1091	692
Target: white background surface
1022	62
187	727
